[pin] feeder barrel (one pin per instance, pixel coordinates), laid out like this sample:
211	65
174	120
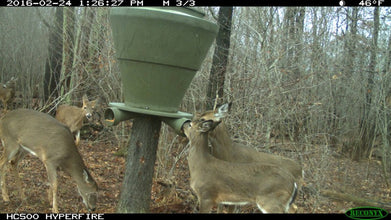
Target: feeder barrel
113	116
159	51
176	124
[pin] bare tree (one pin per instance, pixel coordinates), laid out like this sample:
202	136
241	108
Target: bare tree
368	122
220	58
68	47
54	61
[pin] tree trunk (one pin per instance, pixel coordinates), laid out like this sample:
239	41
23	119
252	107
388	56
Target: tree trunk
350	44
68	47
53	64
294	30
220	58
300	121
81	59
368	121
298	38
137	184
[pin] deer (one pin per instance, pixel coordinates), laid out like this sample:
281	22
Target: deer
73	116
225	149
7	92
216	181
222	147
25	131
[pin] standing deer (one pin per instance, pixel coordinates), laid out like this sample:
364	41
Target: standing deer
217	181
73	116
225	149
7	92
27	131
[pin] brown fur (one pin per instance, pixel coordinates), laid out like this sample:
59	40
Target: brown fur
217	181
27	131
73	116
7	92
225	149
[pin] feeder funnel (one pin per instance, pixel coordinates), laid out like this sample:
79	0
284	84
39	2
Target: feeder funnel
159	50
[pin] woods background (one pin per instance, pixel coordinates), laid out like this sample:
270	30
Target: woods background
307	83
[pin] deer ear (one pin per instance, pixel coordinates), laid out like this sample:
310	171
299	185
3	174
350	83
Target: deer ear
197	115
93	103
206	126
225	108
85	99
97	101
222	111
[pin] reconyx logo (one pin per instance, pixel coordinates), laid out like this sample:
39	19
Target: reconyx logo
366	212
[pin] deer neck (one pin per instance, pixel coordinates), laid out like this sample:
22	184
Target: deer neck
199	147
75	168
77	121
81	114
86	185
222	144
220	136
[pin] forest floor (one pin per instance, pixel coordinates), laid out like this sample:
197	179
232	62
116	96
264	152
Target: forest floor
324	168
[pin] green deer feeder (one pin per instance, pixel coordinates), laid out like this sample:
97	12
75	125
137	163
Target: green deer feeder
159	50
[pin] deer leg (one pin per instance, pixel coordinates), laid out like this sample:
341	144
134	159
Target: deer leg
261	204
220	208
271	204
292	209
15	170
50	194
11	155
206	205
3	168
229	208
77	138
52	176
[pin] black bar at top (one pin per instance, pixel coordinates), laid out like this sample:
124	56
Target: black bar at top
190	3
277	2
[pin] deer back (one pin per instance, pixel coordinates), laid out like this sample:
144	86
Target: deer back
47	138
